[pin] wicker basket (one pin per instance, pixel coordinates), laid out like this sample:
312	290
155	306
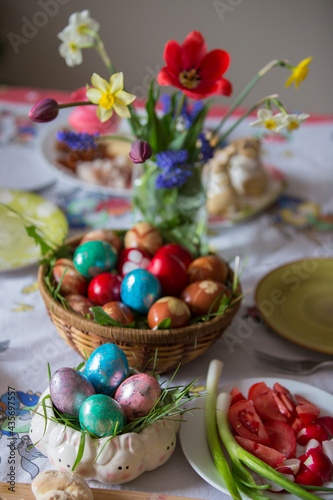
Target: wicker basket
174	346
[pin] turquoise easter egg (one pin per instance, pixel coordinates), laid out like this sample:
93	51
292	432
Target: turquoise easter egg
69	388
101	415
139	290
95	257
106	368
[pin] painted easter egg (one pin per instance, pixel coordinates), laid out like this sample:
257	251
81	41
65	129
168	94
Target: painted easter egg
137	395
139	290
170	272
94	257
208	267
132	258
103	235
204	296
119	312
80	304
106	368
181	252
72	281
104	287
102	415
69	388
144	236
169	308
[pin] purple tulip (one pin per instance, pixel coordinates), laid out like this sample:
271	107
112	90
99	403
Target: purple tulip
140	151
44	111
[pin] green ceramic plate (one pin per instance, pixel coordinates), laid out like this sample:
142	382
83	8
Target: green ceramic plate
296	302
17	249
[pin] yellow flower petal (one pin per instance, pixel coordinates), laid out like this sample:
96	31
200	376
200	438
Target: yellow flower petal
94	95
122	97
99	82
299	73
121	110
104	114
116	82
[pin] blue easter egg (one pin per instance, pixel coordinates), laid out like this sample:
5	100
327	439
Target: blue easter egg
102	415
95	257
139	290
106	368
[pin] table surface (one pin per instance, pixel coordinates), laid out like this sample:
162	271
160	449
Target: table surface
264	242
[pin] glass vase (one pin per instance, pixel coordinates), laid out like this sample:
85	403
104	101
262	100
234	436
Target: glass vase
180	214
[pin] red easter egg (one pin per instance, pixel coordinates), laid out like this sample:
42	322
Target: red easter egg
80	304
132	258
170	272
209	267
103	288
119	312
179	251
73	282
204	296
103	235
169	307
144	236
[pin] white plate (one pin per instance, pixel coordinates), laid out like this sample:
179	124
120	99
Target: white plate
47	155
193	433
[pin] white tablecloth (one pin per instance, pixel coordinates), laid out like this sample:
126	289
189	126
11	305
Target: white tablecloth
306	160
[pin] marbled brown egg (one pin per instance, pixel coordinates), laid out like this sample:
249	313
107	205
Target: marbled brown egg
103	235
119	312
73	282
137	395
204	296
169	307
144	236
208	267
80	304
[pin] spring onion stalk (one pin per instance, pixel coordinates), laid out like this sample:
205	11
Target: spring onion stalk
238	454
213	376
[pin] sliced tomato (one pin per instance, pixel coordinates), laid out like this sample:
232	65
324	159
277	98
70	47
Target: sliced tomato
236	395
306	410
297	424
265	402
282	438
268	455
285	397
247	423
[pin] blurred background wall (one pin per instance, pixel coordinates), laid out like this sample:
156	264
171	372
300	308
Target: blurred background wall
135	32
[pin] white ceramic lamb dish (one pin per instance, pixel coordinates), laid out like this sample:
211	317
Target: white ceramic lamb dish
110	461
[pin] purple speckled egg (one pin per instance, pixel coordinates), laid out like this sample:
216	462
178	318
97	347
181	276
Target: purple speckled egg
137	395
69	388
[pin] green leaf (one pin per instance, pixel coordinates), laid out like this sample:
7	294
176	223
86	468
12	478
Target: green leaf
80	451
165	324
32	232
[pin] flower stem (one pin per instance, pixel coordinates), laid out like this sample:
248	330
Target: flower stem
77	103
99	46
247	113
248	88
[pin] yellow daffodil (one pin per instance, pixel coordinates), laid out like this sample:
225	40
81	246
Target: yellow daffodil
110	96
299	73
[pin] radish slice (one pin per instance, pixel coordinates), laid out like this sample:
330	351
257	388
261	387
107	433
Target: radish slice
326	422
313	444
289	466
320	464
307	477
311	431
328	449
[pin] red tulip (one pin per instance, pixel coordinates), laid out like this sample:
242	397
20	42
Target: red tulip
192	69
44	111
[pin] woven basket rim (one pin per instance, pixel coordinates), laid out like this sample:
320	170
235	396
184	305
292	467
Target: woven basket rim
147	336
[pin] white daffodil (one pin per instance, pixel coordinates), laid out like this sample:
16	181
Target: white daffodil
110	96
265	118
69	49
292	122
79	22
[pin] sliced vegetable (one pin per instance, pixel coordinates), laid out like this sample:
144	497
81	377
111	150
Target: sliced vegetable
306	410
320	464
236	395
326	422
289	466
268	455
307	477
311	431
267	403
282	438
313	444
247	423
